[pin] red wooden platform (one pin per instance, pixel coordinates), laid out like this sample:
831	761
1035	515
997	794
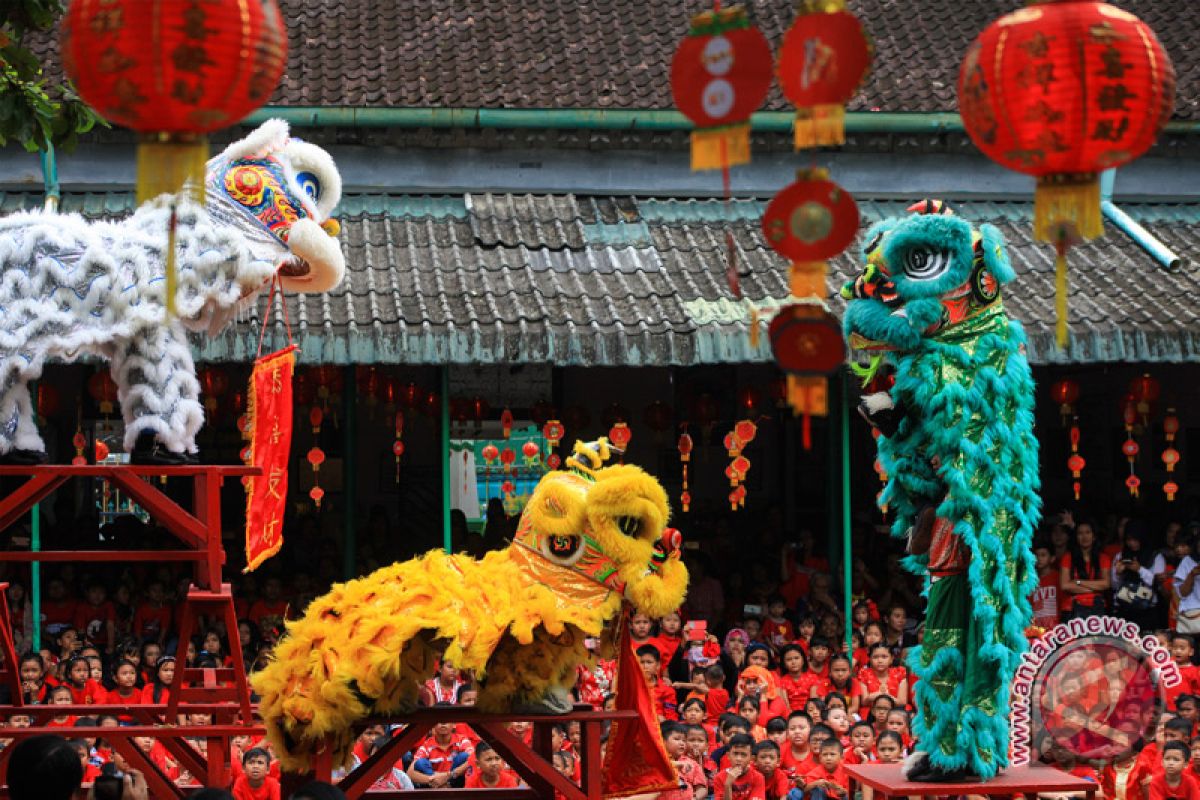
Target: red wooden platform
224	692
534	764
887	780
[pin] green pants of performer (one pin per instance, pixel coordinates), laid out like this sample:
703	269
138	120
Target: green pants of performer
956	697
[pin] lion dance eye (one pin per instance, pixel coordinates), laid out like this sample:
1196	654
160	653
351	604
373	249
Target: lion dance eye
310	184
629	525
925	265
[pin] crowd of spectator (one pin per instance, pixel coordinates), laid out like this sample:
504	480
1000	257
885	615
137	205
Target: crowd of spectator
759	689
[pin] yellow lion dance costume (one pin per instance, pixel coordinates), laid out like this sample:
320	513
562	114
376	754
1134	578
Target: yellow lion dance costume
590	538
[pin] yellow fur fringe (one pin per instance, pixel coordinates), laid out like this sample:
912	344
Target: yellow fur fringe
368	645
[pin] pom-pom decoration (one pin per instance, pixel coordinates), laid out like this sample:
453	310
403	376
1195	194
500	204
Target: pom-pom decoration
1062	91
823	59
720	75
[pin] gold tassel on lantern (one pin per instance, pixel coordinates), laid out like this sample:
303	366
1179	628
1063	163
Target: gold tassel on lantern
1060	296
820	126
721	148
167	163
809	397
1068	203
807	278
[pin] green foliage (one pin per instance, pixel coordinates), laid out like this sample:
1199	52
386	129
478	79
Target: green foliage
33	114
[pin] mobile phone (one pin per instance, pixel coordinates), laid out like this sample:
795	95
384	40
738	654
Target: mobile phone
752	610
696	630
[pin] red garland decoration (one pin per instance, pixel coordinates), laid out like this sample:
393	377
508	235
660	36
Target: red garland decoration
1170	456
1075	463
1063	91
823	59
721	73
685	455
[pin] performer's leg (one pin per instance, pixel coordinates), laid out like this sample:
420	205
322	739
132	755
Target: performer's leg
939	663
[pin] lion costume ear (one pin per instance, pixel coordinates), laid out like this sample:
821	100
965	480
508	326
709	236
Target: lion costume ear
266	139
995	254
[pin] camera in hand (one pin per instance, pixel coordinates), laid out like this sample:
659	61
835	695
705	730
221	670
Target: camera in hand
110	783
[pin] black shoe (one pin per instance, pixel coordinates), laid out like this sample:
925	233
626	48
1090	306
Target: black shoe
24	458
149	451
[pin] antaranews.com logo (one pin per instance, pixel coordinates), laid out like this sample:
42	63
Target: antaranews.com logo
1092	686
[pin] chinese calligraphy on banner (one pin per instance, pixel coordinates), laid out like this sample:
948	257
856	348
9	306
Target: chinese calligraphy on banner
270	445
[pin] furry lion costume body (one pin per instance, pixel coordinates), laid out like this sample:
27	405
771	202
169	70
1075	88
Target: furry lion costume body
591	538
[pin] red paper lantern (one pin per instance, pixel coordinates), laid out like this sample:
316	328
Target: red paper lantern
1170	458
620	435
685	500
732	444
1171	488
316	457
398	449
720	75
103	390
1145	391
531	451
506	423
317	494
79	441
508	487
173	72
809	222
1131	449
102	451
1133	483
685	447
808	346
745	431
822	61
1065	393
48	400
658	416
1062	91
1170	425
490	453
315	416
554	461
507	457
554	432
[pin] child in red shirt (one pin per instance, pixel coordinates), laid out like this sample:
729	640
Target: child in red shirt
828	779
490	772
796	757
152	619
669	637
84	690
739	781
255	783
777	629
1182	650
862	744
1173	782
716	699
766	762
664	695
796	682
691	775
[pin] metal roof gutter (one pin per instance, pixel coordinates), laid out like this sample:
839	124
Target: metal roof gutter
579	118
648	119
1167	258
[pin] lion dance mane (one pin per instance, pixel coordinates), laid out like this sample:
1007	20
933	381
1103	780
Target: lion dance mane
591	538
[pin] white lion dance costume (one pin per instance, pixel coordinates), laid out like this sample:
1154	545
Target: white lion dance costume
69	287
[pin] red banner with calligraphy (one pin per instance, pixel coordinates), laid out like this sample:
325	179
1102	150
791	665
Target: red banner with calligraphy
635	760
270	446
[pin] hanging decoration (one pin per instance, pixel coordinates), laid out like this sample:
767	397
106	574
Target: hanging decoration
1065	392
808	346
1131	448
685	455
173	76
398	443
213	384
1063	91
270	442
103	390
531	451
490	453
720	74
1170	455
79	442
822	61
705	411
316	457
554	432
1146	391
619	436
658	417
507	457
553	461
809	222
1075	462
506	423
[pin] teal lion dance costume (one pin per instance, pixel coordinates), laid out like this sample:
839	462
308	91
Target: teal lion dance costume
959	447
